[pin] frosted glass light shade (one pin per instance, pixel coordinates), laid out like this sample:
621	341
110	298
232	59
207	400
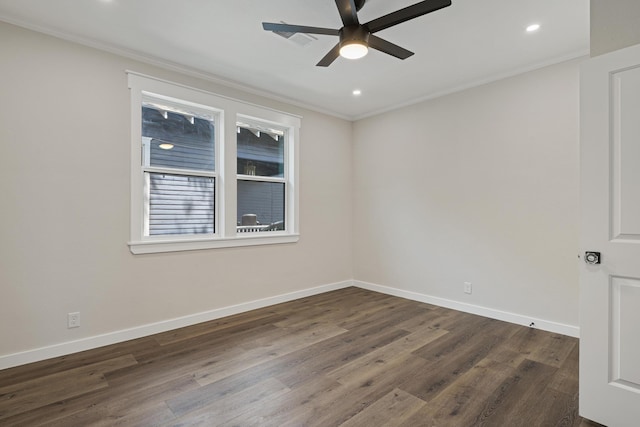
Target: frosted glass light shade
353	50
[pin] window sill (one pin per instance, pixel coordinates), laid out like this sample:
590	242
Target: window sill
158	246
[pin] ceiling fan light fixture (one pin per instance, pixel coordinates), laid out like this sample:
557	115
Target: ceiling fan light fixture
354	42
354	50
357	38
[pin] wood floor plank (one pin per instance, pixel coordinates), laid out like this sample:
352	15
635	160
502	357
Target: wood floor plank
184	359
392	409
541	346
29	395
162	369
154	415
384	358
440	318
338	311
76	360
435	318
397	310
516	401
462	401
554	351
566	379
312	314
194	400
448	361
343	358
356	396
127	407
555	408
233	333
236	322
286	406
452	342
330	305
93	407
324	357
266	348
232	406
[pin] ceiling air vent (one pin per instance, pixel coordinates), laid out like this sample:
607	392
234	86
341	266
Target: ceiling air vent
298	38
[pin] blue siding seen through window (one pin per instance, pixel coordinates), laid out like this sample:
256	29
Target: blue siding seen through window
181	204
177	203
192	140
262	152
263	199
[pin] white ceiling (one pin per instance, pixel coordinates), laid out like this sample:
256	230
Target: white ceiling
468	43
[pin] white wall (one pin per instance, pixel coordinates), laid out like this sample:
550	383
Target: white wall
614	25
64	183
478	186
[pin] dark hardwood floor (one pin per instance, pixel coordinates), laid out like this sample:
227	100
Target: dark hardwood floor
346	358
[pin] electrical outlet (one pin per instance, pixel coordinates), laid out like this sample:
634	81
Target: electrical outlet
73	320
467	287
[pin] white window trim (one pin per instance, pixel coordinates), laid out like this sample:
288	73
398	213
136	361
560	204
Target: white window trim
228	111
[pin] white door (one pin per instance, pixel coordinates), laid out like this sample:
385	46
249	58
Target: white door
610	224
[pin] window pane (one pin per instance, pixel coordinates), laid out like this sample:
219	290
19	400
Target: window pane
182	141
260	206
260	153
180	204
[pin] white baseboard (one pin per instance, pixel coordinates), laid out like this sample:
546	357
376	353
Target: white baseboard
545	325
88	343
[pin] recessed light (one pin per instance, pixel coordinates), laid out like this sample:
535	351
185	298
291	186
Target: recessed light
357	92
533	27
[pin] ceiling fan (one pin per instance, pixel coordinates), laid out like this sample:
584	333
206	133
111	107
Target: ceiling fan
357	38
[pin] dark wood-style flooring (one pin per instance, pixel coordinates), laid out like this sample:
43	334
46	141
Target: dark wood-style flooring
345	358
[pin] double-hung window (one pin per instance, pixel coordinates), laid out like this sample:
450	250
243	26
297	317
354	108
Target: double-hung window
262	176
179	168
209	171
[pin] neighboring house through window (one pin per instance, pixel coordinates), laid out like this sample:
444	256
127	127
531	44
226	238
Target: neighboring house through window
178	163
262	177
182	180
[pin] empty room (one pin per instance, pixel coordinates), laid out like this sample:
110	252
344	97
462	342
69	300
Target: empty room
319	213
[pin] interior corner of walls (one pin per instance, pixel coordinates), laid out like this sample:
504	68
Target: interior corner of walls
515	318
70	347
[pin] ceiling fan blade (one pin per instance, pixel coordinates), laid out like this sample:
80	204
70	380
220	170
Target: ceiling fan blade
409	12
330	57
382	45
288	28
348	12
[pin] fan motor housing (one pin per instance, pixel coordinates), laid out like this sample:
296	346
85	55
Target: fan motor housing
357	34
